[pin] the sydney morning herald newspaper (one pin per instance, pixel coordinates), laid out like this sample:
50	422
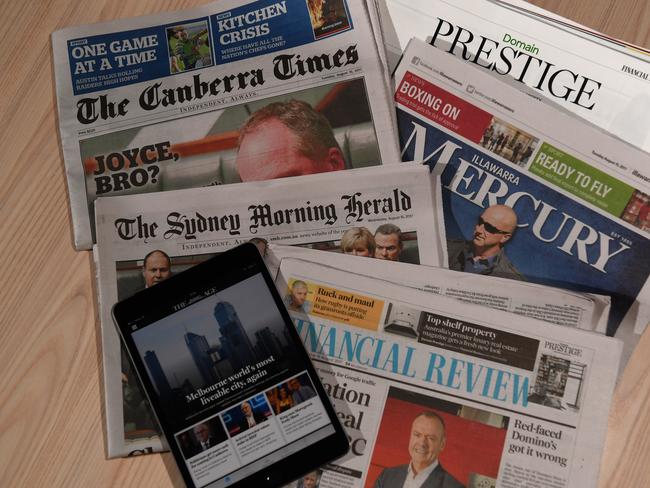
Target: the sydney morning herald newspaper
557	306
198	97
495	399
529	192
597	81
189	226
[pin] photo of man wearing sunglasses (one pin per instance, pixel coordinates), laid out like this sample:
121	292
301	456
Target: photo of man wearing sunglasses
484	254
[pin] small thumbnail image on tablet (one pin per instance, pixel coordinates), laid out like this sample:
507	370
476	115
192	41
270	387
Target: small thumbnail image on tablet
247	415
290	393
201	437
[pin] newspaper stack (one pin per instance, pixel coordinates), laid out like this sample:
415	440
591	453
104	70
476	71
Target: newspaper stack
190	226
163	113
158	103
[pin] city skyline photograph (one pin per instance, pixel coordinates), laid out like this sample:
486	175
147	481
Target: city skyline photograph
185	343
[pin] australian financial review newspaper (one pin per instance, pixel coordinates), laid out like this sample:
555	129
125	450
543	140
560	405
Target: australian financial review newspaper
184	99
515	399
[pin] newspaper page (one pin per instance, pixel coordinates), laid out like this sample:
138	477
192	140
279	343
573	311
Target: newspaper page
144	239
231	91
529	192
375	25
603	84
554	305
496	399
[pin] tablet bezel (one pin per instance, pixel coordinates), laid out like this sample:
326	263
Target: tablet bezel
222	271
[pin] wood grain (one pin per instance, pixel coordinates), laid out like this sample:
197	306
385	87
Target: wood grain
50	388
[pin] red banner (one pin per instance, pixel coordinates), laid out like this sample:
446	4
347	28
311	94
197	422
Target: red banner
442	107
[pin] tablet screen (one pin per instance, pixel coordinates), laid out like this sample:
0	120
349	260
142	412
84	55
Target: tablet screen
231	389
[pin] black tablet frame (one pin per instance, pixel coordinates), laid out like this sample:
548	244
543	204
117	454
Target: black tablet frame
226	269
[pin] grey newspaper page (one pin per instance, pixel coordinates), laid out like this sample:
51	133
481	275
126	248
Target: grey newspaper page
592	78
144	239
472	399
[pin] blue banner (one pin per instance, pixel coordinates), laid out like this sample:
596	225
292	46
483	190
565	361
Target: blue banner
123	58
557	241
245	32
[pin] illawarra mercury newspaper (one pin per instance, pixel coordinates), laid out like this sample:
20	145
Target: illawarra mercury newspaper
564	203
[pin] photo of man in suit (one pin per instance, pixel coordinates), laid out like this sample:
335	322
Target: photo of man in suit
251	418
426	442
156	268
485	253
203	437
201	440
300	392
388	242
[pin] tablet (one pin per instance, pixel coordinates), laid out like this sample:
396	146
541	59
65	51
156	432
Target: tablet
227	376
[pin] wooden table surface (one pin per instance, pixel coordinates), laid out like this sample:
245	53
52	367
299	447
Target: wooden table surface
50	395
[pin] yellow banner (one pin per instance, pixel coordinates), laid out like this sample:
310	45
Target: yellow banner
330	303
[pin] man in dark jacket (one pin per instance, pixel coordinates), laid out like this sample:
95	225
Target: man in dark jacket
426	441
251	417
204	440
484	254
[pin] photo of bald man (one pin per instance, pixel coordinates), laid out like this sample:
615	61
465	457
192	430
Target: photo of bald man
287	139
156	267
485	253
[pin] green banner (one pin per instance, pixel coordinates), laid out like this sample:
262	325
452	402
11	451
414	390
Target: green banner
582	180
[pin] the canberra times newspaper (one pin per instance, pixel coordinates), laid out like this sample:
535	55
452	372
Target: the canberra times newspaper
477	399
595	80
563	202
557	306
201	97
144	239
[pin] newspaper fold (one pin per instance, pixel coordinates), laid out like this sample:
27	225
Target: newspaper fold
554	305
